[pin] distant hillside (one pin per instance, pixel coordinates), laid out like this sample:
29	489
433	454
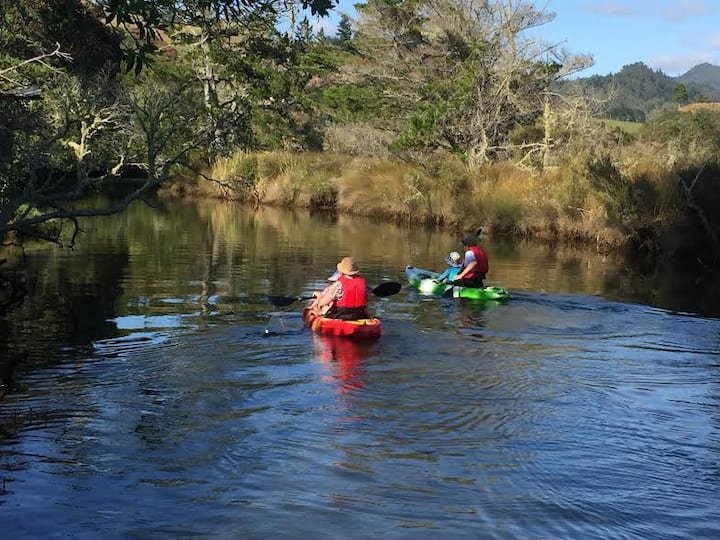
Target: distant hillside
704	75
636	90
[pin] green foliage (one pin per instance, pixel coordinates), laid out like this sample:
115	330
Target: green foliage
271	88
526	134
352	102
304	33
680	94
148	18
692	135
453	91
247	173
459	74
170	130
624	113
32	27
344	30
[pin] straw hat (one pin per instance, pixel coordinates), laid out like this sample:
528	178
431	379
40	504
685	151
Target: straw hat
348	267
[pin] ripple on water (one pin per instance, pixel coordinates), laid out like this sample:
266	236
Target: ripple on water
543	417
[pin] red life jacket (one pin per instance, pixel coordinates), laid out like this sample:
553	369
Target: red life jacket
353	292
482	265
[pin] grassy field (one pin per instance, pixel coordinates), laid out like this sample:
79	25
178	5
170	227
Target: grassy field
633	128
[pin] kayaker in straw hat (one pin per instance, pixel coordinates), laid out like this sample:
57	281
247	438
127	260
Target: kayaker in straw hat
475	264
351	303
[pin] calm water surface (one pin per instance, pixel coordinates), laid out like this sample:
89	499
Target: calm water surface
156	394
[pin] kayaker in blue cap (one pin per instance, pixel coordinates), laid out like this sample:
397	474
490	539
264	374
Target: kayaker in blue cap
475	264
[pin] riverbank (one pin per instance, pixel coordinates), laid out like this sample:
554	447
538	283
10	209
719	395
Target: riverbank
588	201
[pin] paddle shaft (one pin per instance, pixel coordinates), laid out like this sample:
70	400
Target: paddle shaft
384	289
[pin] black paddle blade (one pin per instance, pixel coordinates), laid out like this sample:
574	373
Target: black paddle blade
387	289
283	301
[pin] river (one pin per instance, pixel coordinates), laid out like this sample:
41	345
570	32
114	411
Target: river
154	393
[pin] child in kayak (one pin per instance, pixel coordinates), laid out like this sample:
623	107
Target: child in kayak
454	262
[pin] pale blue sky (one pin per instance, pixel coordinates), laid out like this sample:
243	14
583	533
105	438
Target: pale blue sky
670	35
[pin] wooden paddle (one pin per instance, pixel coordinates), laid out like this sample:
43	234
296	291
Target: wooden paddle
384	289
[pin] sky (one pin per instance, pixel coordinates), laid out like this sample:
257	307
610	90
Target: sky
667	35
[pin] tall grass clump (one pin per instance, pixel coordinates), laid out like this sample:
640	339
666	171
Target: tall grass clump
233	177
502	196
381	187
303	180
448	188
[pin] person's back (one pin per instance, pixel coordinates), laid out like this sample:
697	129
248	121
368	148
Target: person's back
475	265
352	303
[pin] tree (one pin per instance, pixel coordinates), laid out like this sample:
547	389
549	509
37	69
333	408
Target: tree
82	138
144	20
344	30
679	94
463	70
304	32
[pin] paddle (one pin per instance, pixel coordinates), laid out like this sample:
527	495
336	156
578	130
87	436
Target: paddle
384	289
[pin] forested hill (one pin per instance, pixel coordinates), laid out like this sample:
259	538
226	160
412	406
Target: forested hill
703	74
636	90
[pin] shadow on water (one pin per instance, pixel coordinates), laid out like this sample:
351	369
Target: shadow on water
684	286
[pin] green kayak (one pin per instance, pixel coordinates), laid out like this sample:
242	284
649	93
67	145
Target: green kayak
423	281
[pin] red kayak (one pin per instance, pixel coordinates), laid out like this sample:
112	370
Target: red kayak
362	329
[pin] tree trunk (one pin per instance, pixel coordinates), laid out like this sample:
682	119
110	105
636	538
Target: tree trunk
211	97
547	138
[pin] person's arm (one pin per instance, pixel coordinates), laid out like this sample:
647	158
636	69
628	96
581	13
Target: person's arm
443	276
466	270
333	292
324	297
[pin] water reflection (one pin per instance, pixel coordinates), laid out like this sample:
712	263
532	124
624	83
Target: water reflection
344	359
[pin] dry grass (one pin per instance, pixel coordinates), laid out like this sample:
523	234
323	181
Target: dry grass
694	107
564	202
